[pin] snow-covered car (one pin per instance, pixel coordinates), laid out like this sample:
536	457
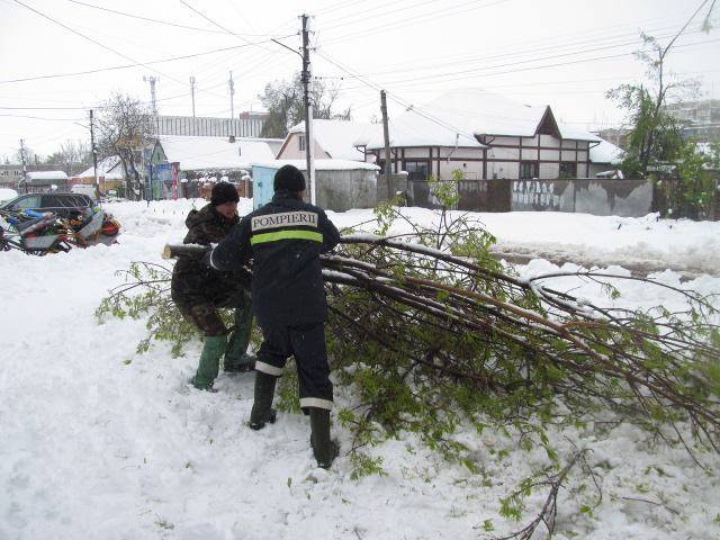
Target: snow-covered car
61	204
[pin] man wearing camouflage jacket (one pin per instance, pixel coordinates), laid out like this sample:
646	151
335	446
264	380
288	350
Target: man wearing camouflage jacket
199	291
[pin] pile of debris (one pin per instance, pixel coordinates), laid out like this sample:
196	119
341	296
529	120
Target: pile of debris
40	233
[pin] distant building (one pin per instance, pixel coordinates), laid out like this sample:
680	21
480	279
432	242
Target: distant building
110	174
247	124
700	119
195	161
11	174
485	136
334	139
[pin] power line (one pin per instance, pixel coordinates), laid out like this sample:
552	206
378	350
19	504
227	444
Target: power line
521	52
404	103
436	14
40	118
438	77
156	21
133	65
364	15
563	64
91	40
183	2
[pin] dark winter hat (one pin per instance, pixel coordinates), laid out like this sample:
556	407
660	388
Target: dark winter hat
222	193
289	178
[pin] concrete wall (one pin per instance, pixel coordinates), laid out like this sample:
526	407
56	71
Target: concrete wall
625	198
342	190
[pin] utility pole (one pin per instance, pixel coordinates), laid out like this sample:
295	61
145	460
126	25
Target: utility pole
386	136
231	87
152	80
305	78
93	149
23	158
192	93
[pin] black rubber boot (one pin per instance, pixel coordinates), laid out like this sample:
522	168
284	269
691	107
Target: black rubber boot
324	448
262	411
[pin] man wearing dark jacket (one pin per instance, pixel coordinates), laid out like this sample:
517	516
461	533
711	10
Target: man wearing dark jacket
199	291
285	239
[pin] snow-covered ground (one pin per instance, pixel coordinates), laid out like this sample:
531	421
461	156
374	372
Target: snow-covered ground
97	442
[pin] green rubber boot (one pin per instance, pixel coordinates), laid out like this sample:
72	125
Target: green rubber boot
237	360
262	411
324	448
209	365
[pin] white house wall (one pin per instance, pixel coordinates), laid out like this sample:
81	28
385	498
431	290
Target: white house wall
292	149
503	169
502	159
549	155
549	171
504	153
472	170
549	141
508	141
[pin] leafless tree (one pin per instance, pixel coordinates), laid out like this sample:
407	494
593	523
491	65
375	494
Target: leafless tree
126	125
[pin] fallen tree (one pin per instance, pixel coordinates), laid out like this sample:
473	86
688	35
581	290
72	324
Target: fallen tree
428	332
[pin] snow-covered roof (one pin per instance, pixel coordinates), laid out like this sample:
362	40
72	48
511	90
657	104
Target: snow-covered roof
108	168
574	134
606	152
321	164
200	153
340	137
456	117
46	175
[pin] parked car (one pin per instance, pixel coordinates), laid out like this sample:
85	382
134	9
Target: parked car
64	205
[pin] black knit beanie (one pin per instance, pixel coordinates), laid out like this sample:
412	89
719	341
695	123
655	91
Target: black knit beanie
289	178
222	193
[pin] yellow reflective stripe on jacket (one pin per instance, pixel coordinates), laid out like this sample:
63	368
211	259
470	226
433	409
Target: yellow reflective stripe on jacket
287	235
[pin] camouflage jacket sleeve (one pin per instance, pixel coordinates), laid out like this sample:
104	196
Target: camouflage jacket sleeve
205	233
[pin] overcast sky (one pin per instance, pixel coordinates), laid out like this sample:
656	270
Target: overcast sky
565	53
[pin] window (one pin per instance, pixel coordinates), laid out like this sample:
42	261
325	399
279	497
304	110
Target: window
417	170
32	201
301	143
529	169
568	169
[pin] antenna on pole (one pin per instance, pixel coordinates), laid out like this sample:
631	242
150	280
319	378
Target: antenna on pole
152	80
93	149
23	158
231	87
192	94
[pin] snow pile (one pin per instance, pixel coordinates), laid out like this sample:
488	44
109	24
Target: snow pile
99	442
